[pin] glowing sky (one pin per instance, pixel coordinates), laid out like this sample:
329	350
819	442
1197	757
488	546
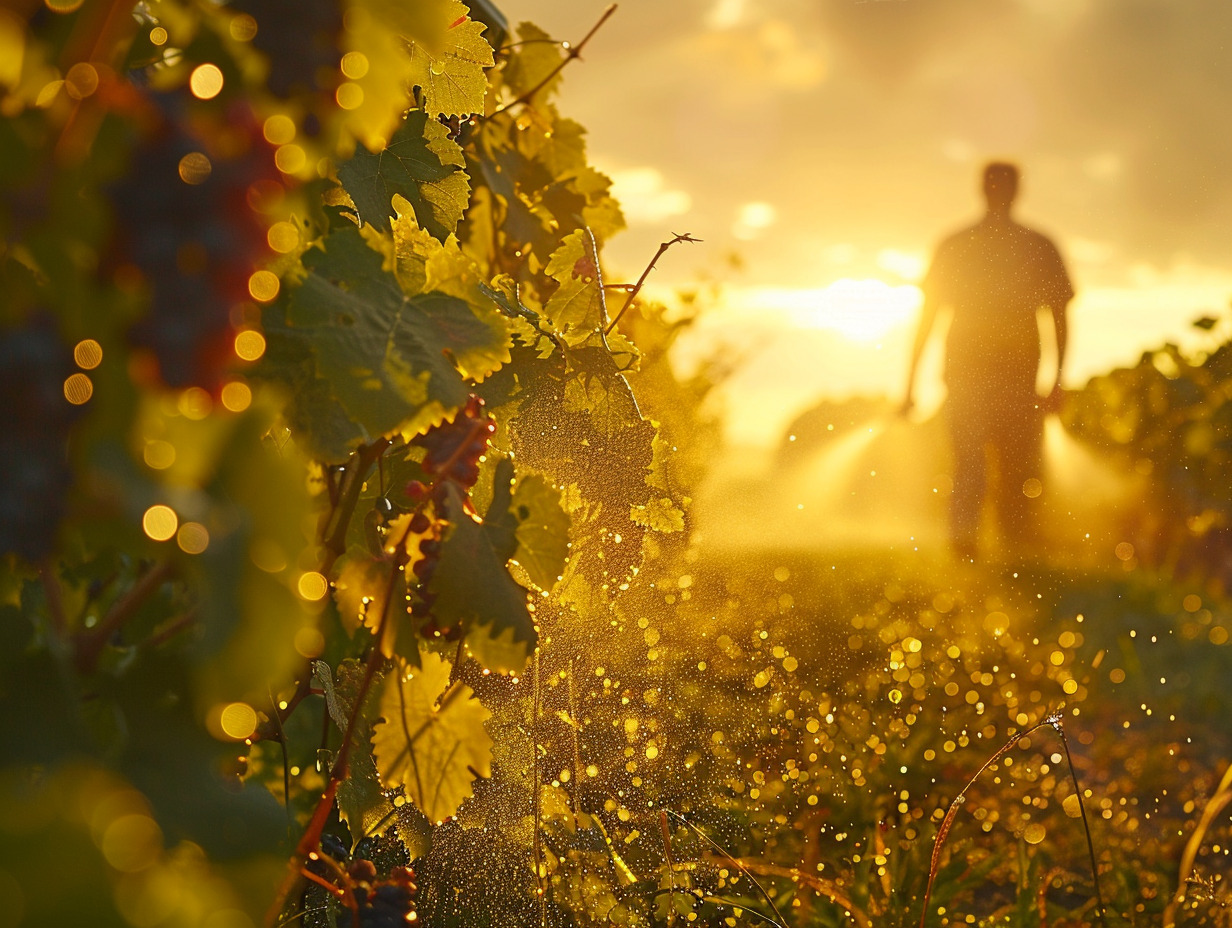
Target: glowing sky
831	143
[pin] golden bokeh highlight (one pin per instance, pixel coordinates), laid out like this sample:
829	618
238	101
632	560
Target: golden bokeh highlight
236	396
81	80
238	720
48	94
63	6
283	237
309	642
195	403
243	28
193	538
195	168
354	65
312	586
160	522
206	81
159	454
1124	551
249	345
1032	487
349	96
279	129
158	36
88	354
1034	833
263	286
78	388
132	842
290	159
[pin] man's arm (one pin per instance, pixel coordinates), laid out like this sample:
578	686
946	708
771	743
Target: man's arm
1062	292
1061	327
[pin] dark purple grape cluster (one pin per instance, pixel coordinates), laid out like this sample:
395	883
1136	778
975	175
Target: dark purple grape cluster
189	231
386	903
424	569
454	448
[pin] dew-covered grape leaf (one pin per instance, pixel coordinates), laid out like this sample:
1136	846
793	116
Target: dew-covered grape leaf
450	70
543	530
472	581
431	737
385	355
421	164
576	308
661	515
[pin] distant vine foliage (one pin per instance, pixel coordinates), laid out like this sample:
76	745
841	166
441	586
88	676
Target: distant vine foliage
347	244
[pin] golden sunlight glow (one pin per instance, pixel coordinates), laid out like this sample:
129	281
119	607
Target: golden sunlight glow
860	310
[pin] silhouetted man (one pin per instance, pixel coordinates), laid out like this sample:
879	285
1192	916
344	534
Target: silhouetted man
994	276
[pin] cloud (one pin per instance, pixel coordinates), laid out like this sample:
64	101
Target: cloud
645	197
725	14
752	219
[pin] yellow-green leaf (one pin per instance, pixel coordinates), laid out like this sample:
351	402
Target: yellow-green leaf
450	72
430	739
661	515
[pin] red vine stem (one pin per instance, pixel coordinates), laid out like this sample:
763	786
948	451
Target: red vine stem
1053	721
637	287
311	839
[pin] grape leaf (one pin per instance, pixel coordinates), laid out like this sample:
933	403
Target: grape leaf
451	71
576	308
533	61
430	737
472	582
386	356
420	163
312	412
661	515
543	530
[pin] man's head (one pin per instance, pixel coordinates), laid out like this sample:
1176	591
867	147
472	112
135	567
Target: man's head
1000	186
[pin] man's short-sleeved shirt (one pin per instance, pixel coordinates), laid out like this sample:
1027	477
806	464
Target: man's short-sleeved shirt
995	275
